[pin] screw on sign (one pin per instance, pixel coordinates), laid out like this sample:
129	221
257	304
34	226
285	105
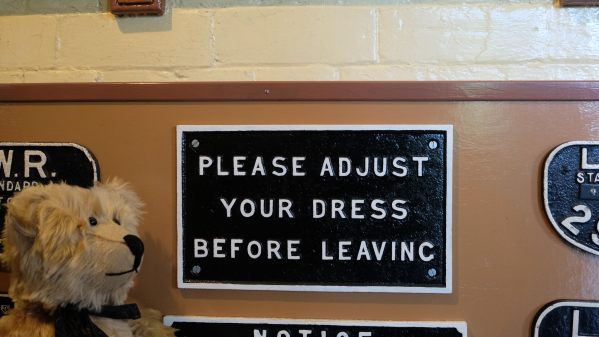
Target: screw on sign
571	193
568	319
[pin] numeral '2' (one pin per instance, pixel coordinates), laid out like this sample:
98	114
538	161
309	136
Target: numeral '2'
568	222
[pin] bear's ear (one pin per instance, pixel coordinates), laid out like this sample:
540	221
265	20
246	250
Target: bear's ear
125	201
22	213
60	231
122	188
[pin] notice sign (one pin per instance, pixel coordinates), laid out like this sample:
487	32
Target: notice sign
252	327
316	208
29	164
571	193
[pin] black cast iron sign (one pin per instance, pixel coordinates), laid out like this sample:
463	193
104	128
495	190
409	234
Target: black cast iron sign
251	327
27	164
568	319
317	208
571	193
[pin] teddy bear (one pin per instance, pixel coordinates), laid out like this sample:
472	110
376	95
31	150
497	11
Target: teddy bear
73	253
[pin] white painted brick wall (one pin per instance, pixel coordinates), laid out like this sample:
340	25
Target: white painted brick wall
101	41
432	34
77	41
27	42
300	35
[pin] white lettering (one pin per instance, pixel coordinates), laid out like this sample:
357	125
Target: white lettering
219	169
258	333
344	166
204	162
343	250
238	165
403	213
403	170
235	246
218	248
200	250
259	167
327	167
296	163
420	161
325	256
292	249
276	162
585	161
319	208
425	258
228	207
38	165
273	249
6	163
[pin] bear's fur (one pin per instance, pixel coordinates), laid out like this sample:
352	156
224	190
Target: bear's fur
65	248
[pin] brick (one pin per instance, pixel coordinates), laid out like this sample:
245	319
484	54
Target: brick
27	41
101	40
12	7
383	73
11	76
137	76
62	6
308	73
432	34
420	73
519	33
575	35
548	71
60	76
292	35
216	74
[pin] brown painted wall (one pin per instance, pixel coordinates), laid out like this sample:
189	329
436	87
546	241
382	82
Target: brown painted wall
508	260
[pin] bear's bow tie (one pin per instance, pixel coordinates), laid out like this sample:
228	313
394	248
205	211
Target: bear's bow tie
74	322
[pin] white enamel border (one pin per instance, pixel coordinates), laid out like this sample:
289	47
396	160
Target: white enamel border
559	304
81	148
545	196
461	326
277	287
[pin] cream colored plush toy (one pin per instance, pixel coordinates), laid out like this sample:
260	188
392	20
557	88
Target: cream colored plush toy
73	254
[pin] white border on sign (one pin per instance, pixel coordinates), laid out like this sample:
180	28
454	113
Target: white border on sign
279	287
546	200
81	148
559	304
459	325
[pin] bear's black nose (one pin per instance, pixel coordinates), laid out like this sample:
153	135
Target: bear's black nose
136	246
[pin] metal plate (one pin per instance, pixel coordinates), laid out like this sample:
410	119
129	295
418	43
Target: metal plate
25	164
316	208
189	326
571	193
568	319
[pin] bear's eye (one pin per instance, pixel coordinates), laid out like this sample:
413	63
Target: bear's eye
92	221
116	221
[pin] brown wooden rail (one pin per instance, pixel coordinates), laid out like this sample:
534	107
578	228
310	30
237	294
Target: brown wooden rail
303	91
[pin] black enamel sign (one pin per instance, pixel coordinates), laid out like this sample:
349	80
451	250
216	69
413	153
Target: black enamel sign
568	319
27	164
571	193
316	208
5	304
248	327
